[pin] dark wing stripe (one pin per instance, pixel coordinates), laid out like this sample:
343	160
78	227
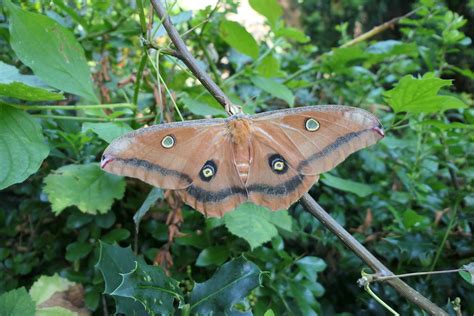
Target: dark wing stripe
281	189
207	196
144	164
342	140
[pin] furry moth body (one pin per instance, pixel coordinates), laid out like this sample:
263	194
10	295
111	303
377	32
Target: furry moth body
270	159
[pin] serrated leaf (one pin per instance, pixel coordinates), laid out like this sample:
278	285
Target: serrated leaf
107	131
113	262
24	87
228	286
420	95
152	197
51	51
150	286
359	189
238	38
86	186
44	288
270	9
22	146
310	266
215	255
274	88
256	224
201	107
16	303
469	274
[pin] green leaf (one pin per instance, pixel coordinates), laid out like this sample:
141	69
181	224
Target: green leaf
420	95
203	108
274	88
43	289
216	255
22	146
77	250
150	286
269	67
86	186
16	303
469	274
310	266
23	87
107	131
54	311
446	126
412	219
238	38
229	285
360	189
270	9
114	261
294	34
152	197
340	60
51	51
256	224
116	235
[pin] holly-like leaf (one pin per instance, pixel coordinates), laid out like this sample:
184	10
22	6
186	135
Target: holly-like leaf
113	262
107	131
228	286
270	9
86	186
360	189
420	95
22	146
24	87
256	224
50	50
238	38
150	286
275	88
16	303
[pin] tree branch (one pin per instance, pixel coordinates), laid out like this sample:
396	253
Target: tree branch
310	204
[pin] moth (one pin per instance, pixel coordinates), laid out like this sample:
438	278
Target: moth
270	159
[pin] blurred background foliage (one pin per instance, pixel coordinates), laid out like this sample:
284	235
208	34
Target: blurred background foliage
409	199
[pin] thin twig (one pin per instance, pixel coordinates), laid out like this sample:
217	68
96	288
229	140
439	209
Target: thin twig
377	278
310	204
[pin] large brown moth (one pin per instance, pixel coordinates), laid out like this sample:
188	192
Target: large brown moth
270	159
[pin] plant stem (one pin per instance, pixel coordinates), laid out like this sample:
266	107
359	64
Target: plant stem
452	220
376	278
72	107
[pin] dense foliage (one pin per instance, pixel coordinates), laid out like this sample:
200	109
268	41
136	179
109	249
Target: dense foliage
74	75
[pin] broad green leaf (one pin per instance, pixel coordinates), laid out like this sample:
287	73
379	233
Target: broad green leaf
114	261
22	146
23	87
269	67
412	219
420	95
107	131
360	189
340	60
86	186
310	266
152	197
54	311
256	224
446	126
229	285
200	107
270	9
77	250
294	34
16	303
51	51
269	313
274	88
150	286
116	235
46	286
238	38
215	255
469	274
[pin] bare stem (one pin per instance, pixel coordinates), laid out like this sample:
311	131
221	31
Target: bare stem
310	204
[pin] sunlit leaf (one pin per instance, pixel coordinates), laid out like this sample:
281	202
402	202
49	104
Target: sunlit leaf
201	107
360	189
51	51
256	224
294	34
270	9
16	303
420	95
238	38
274	88
107	131
22	146
229	285
86	186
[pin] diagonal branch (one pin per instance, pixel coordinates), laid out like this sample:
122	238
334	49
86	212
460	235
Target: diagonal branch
310	204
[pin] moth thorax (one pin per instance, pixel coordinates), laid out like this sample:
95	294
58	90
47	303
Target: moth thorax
239	130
